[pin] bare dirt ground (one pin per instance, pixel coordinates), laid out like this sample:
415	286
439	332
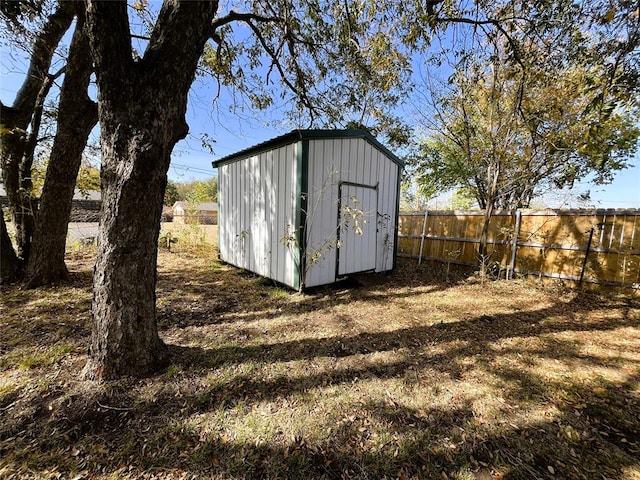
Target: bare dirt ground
397	376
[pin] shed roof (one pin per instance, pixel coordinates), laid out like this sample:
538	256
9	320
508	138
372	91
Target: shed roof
297	135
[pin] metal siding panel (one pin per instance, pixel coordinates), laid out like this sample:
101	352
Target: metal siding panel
223	216
234	207
241	232
282	192
291	263
377	159
389	181
276	256
252	212
257	222
382	210
231	214
282	224
392	206
245	225
312	220
236	173
354	155
378	173
279	264
258	227
231	207
357	165
265	170
325	180
271	220
249	197
238	196
256	197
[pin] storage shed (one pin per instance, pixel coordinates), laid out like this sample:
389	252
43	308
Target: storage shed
310	207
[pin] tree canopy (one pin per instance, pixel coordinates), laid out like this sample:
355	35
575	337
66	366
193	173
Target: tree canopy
194	191
535	104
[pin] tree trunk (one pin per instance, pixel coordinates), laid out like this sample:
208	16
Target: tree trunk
77	115
493	177
142	108
483	249
9	263
14	122
125	338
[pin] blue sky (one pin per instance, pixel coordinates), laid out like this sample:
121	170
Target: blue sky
234	129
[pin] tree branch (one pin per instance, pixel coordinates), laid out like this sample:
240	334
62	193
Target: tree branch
299	92
36	119
46	42
233	16
498	23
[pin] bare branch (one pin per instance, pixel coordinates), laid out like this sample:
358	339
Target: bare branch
233	16
36	119
275	59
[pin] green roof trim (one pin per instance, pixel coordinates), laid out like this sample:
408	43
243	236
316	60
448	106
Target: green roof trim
299	135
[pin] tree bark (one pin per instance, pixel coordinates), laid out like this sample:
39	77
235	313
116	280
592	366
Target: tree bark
483	250
77	115
142	106
8	260
493	176
15	121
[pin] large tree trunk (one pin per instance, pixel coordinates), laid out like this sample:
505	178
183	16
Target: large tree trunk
15	120
142	108
77	115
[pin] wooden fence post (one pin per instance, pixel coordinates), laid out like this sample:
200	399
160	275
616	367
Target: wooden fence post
514	245
424	232
586	257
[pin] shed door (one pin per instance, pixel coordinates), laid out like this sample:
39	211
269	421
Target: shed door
357	228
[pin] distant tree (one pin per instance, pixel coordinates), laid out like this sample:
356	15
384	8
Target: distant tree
171	195
197	191
463	199
88	178
203	191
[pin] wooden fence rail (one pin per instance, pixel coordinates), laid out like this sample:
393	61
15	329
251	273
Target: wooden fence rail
594	246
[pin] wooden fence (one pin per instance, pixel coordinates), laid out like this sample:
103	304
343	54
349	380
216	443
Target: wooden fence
595	246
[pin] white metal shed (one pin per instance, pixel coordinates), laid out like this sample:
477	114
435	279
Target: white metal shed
310	207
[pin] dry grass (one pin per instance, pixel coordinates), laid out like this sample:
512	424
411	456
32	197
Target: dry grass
397	376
